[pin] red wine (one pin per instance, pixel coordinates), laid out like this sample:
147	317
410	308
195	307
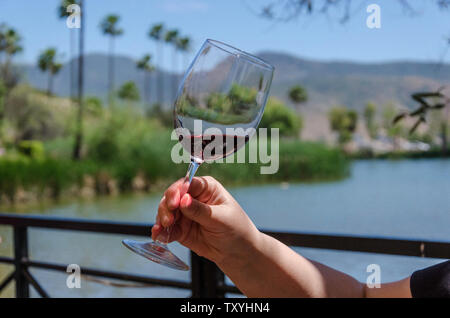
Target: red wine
212	147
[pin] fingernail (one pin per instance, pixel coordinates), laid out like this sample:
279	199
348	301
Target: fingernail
166	220
185	201
174	201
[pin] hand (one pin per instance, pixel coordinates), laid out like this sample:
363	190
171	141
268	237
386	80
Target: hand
211	222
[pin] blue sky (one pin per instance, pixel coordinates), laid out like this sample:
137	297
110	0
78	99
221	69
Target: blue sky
401	37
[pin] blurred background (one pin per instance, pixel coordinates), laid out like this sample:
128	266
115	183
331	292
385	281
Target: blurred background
361	101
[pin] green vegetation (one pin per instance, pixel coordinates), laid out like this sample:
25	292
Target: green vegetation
343	121
2	98
239	105
47	63
125	150
278	115
370	117
109	27
129	92
298	95
393	129
145	65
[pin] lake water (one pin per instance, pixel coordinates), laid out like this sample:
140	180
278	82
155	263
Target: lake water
404	199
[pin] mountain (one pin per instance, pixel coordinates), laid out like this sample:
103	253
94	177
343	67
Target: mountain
95	80
328	83
354	84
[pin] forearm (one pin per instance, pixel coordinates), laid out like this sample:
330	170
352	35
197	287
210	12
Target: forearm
272	269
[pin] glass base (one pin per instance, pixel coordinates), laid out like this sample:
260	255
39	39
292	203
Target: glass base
156	252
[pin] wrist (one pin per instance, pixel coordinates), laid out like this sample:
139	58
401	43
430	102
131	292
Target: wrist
244	252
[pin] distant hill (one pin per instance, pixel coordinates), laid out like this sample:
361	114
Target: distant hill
328	83
95	80
353	84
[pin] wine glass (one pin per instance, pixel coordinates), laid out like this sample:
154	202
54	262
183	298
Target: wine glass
218	107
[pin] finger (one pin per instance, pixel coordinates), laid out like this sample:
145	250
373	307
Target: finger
181	230
195	210
172	195
156	229
202	188
165	216
176	234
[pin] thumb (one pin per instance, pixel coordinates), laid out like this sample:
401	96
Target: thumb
195	210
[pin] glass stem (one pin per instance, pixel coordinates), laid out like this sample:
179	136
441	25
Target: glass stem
164	236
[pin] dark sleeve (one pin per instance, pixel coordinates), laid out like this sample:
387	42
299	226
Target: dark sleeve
431	282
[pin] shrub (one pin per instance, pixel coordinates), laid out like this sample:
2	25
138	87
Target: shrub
343	121
278	115
129	91
93	105
31	148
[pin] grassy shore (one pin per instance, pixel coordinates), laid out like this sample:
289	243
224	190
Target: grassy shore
24	179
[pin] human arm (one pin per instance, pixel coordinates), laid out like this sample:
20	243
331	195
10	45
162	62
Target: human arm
213	225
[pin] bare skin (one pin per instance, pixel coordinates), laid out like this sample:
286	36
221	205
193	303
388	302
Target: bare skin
211	223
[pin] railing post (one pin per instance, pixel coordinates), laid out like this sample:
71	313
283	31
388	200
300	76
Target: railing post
21	254
206	278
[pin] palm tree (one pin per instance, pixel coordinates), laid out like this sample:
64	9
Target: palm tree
47	63
2	41
109	28
171	38
144	65
63	14
10	46
76	154
156	34
298	95
184	46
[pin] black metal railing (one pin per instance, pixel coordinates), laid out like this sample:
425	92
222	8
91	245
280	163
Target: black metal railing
206	278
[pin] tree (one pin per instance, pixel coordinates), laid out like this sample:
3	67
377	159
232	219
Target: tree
63	14
129	92
76	155
9	46
94	105
393	128
343	121
369	117
429	101
2	41
146	67
156	34
47	63
2	95
287	10
298	95
184	46
278	115
2	102
109	27
171	38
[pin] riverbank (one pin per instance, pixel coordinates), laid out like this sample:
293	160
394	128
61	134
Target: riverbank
29	180
435	153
